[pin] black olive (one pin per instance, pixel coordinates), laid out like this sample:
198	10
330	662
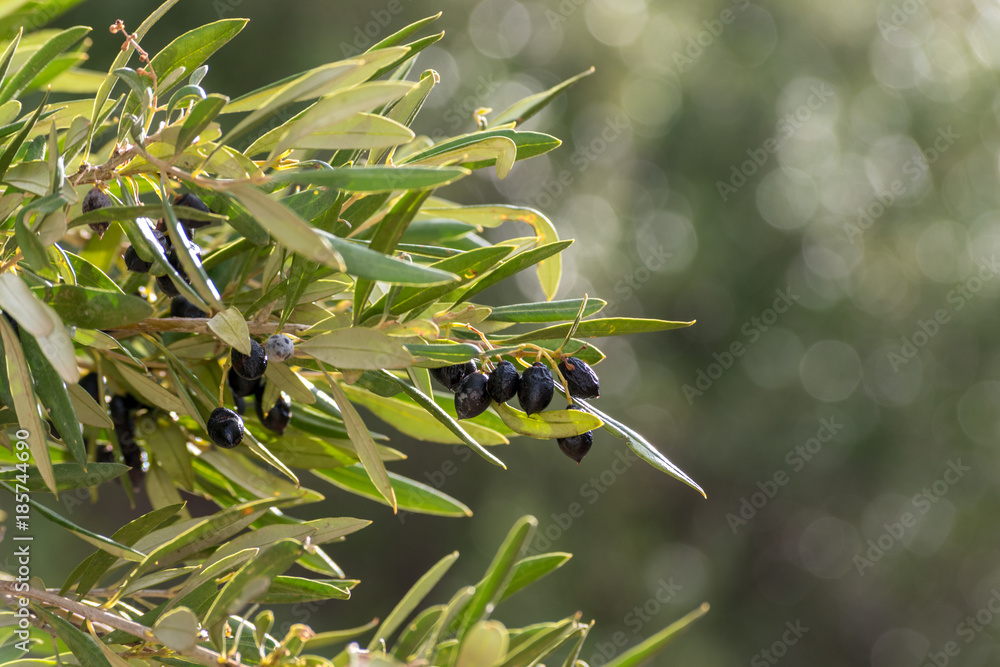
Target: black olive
181	307
93	200
576	446
471	396
278	416
225	428
537	388
252	366
89	382
166	285
581	380
504	381
121	410
241	386
451	376
134	263
105	454
192	201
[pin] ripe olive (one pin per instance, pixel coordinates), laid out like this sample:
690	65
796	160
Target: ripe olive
577	446
278	416
451	376
504	382
581	380
471	396
225	428
252	366
93	200
134	263
536	389
181	307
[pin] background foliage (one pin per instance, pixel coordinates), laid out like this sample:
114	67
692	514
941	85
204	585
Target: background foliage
688	121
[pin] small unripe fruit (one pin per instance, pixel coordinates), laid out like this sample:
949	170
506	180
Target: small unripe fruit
581	380
181	307
278	416
279	347
504	382
537	388
134	263
225	428
451	376
471	396
577	446
252	366
93	200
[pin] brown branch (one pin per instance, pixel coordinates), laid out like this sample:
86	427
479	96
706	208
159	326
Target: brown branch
197	325
103	617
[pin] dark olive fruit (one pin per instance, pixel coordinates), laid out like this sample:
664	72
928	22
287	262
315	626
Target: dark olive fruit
252	366
95	199
225	428
120	409
105	454
134	263
451	376
89	383
241	386
166	285
279	347
278	416
471	396
181	307
581	380
577	446
504	381
192	201
536	389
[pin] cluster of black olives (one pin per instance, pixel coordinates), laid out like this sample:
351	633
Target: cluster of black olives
122	408
97	198
246	378
534	390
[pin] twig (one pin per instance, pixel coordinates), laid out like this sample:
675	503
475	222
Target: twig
198	325
198	654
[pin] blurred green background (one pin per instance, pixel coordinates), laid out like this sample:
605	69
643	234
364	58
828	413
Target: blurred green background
816	184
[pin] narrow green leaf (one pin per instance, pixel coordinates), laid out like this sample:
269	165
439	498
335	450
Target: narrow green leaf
357	348
232	329
26	405
653	645
516	264
15	145
93	308
545	311
373	179
190	261
86	408
529	570
413	597
453	353
151	391
126	213
324	639
82	645
99	541
610	326
524	109
42	322
203	113
434	409
498	575
363	443
297	590
38	61
414	633
411	496
8	56
288	228
70	476
365	263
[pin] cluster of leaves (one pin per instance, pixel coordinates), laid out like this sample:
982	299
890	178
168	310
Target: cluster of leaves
324	225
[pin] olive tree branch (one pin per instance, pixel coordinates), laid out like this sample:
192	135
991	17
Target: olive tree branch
198	325
97	615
